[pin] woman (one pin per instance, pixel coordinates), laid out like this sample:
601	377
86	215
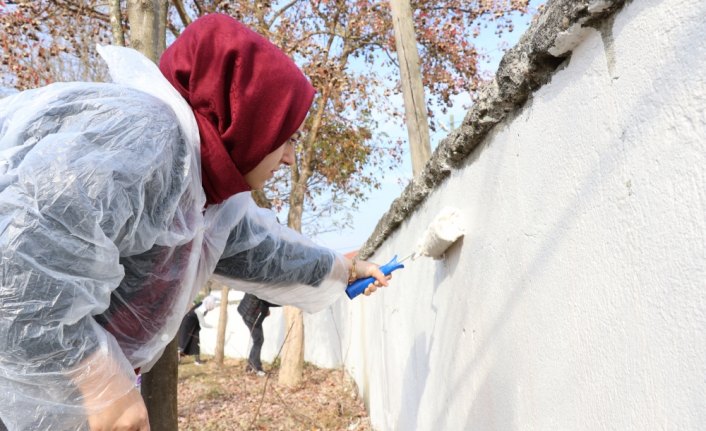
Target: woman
118	201
254	311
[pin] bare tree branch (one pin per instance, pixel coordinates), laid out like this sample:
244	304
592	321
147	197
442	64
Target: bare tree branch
173	28
80	9
179	5
281	11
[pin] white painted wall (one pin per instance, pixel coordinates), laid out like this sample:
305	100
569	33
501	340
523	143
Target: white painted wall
577	299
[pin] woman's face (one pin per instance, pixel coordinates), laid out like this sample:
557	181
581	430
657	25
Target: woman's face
284	155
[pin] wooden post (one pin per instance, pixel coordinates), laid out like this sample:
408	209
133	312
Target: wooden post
412	86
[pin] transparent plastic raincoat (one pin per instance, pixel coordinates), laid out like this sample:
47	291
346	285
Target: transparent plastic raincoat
104	241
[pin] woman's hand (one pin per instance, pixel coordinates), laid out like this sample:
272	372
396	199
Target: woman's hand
110	398
363	269
126	413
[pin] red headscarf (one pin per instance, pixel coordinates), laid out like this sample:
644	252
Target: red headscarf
247	95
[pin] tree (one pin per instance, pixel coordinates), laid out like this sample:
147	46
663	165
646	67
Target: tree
43	42
148	21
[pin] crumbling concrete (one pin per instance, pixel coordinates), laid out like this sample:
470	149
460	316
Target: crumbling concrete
529	65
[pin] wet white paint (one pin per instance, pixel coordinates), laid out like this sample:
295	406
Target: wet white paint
444	230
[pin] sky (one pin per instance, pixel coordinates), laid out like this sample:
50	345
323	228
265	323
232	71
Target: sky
395	180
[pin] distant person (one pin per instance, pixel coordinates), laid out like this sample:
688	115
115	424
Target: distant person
190	329
254	311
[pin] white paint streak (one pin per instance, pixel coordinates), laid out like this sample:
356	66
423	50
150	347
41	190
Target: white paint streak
567	40
598	6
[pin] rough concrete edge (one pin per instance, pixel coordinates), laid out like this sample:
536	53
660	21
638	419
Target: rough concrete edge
522	70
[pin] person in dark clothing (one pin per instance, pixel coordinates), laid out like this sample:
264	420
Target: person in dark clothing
189	332
190	329
254	310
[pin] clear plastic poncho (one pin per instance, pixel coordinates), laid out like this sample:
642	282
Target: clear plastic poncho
104	241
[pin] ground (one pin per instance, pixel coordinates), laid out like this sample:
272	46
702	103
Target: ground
213	398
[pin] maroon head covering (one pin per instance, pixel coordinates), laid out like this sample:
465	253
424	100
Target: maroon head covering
247	95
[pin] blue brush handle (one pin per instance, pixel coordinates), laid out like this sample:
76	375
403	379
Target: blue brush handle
357	287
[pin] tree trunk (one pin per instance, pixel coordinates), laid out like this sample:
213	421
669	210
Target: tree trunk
159	389
148	23
148	26
222	323
412	86
292	364
116	23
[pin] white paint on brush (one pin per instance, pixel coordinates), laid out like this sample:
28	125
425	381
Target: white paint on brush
443	231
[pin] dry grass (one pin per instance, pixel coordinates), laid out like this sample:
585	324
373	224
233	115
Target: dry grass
212	398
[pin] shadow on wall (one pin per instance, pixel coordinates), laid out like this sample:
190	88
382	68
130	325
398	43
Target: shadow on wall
418	368
415	378
586	189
